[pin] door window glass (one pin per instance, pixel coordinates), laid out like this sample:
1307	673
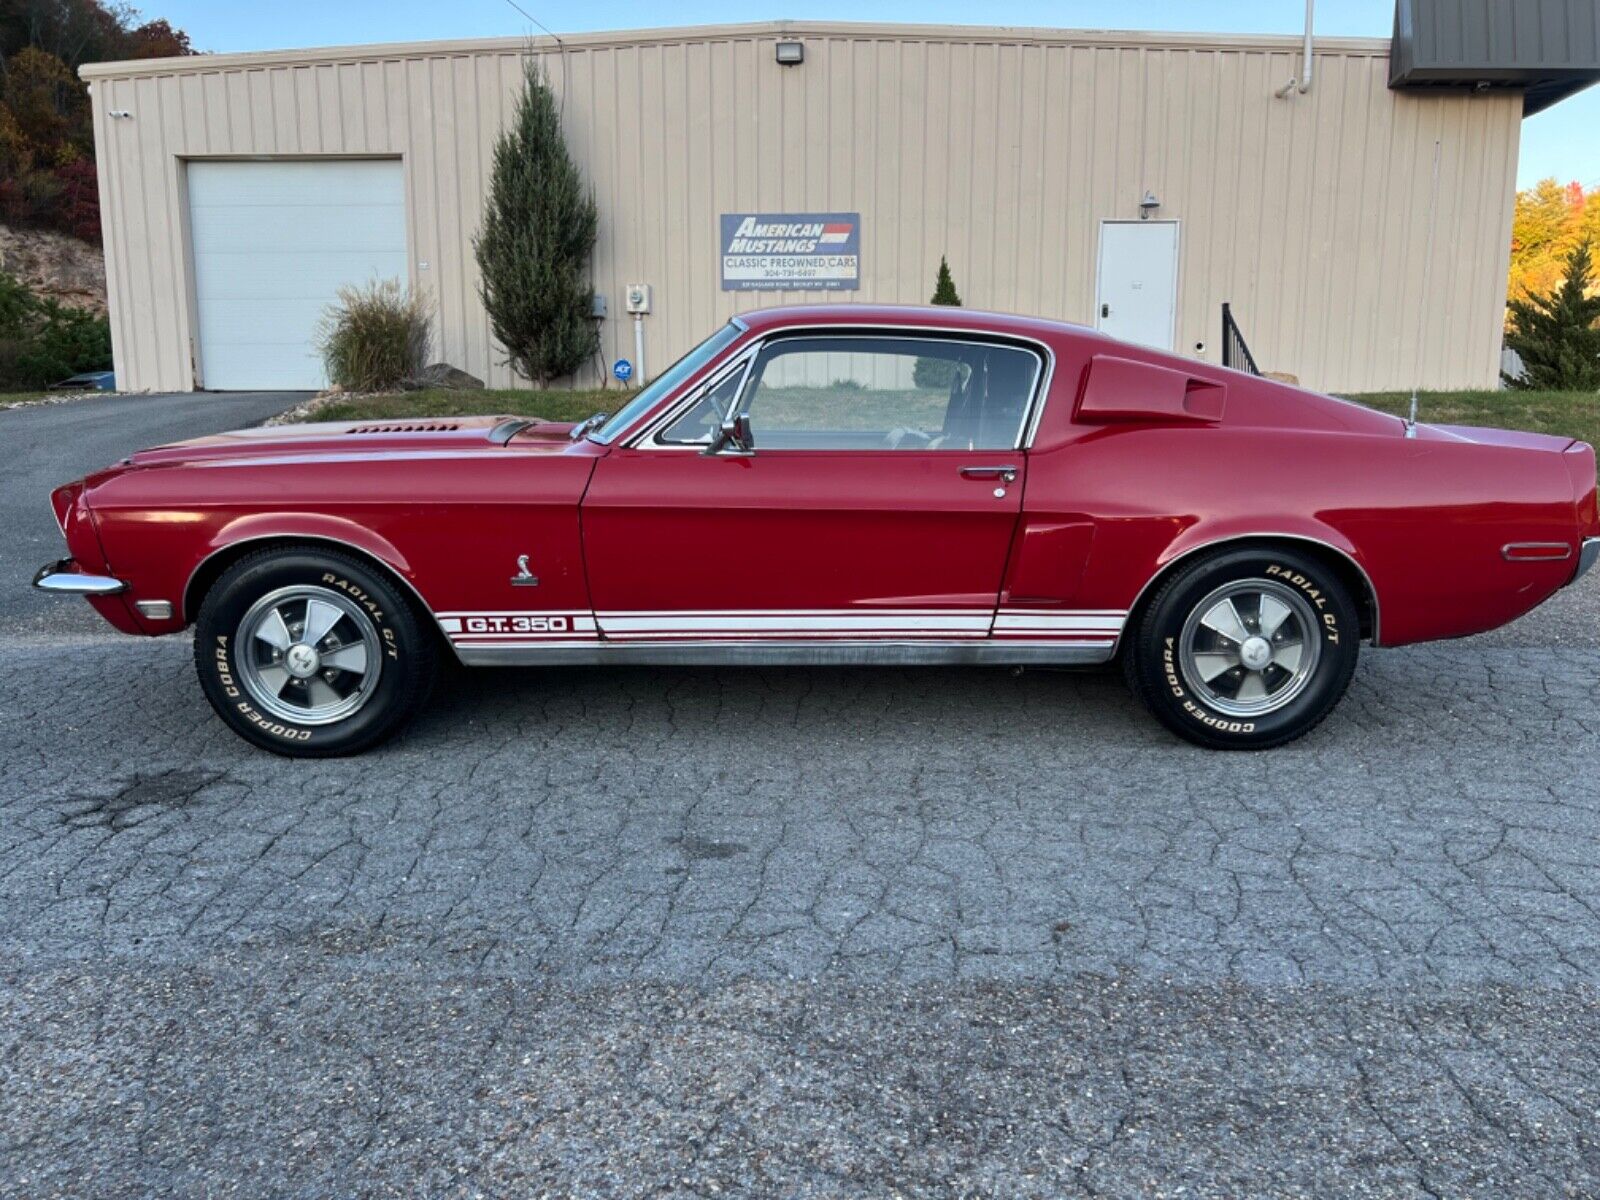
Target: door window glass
889	393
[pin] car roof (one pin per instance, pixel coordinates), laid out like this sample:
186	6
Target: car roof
944	316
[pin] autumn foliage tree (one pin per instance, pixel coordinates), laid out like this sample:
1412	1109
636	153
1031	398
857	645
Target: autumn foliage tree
47	175
1557	335
1549	222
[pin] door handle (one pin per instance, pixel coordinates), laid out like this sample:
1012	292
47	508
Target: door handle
1105	310
1004	474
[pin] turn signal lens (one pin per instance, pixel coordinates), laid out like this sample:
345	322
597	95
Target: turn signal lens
62	500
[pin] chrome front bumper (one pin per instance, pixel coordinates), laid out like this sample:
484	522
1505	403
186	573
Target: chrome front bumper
1588	553
62	578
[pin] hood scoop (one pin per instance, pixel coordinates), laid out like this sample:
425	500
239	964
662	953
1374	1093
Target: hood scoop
407	427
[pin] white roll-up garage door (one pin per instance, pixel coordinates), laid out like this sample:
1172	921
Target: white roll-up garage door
273	243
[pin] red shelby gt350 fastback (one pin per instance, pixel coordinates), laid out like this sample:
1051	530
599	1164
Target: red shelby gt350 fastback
845	484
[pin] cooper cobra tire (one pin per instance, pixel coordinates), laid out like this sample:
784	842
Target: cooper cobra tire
311	653
1244	649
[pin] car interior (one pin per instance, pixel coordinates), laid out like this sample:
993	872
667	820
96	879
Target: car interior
847	393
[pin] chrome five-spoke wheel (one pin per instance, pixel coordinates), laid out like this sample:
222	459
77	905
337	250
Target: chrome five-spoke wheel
1250	647
308	654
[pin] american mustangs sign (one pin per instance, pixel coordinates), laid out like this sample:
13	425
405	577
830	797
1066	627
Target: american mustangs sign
791	251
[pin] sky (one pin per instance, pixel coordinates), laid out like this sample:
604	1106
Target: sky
1560	142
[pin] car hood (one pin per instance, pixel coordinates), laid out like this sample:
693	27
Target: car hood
425	436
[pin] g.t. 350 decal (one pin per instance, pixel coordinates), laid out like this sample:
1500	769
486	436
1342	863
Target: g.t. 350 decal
501	626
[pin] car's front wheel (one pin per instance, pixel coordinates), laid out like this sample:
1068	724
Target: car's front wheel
1245	649
311	653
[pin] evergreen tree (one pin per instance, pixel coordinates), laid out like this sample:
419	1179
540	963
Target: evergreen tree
944	288
938	372
534	245
1557	336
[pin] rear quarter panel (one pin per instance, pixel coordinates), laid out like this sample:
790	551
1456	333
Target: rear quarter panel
1425	520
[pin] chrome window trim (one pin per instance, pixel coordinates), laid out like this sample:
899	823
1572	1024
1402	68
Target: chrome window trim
1029	428
1165	568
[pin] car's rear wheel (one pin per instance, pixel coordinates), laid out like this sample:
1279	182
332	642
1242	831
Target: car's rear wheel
311	653
1245	649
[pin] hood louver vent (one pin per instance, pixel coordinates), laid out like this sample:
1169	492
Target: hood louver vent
416	427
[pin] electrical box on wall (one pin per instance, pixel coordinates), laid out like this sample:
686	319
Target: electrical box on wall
638	297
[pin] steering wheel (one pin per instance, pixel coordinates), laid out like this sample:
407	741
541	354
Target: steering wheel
902	433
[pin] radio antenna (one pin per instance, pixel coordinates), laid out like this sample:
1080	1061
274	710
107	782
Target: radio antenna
1427	278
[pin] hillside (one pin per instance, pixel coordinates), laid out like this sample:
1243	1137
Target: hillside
55	266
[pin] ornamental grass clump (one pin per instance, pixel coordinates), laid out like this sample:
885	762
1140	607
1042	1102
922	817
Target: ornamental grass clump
375	337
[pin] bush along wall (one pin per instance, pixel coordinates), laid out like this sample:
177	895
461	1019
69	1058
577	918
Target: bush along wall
43	342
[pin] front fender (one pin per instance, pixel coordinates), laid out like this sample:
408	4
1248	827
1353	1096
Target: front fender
300	526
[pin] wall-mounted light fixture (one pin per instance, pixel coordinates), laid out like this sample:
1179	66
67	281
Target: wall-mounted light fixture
791	54
1148	205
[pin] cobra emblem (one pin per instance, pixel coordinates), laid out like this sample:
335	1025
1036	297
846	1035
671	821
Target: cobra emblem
524	577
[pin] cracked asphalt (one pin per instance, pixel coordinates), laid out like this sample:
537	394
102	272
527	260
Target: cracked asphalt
803	933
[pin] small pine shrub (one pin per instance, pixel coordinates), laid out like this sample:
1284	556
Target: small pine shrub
939	372
1558	335
375	337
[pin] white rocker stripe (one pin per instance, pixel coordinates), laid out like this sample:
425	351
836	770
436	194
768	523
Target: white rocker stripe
1058	621
792	612
1054	635
565	627
771	622
523	641
792	635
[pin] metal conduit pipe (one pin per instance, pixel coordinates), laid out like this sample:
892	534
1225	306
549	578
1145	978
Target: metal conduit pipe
1307	66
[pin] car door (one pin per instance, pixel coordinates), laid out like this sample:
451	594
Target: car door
876	503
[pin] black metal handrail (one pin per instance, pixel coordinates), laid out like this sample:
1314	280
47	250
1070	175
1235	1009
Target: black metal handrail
1235	353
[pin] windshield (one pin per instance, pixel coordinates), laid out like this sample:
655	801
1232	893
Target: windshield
668	381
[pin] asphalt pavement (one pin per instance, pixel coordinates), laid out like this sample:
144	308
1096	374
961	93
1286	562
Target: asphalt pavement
803	933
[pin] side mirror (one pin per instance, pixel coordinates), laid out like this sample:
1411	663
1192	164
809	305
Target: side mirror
733	436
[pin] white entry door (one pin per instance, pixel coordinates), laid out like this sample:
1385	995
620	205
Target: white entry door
1137	297
273	244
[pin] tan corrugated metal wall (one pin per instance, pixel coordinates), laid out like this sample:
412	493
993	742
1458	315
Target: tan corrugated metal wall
1002	149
